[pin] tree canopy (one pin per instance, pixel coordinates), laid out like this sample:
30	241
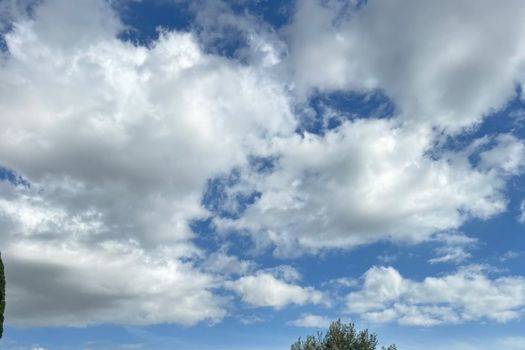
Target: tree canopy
340	336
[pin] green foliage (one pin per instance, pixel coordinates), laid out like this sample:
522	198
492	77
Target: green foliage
2	296
340	336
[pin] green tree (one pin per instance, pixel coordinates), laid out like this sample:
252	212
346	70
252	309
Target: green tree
340	336
2	296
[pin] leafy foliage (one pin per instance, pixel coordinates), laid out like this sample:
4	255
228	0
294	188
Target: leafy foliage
2	296
340	336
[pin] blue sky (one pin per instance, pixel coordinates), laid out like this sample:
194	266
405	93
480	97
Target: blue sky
236	174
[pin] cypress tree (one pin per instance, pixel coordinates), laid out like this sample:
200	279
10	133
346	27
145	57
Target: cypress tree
2	296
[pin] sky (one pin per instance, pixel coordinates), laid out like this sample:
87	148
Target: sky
236	174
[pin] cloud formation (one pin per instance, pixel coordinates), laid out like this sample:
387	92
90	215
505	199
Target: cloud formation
263	289
117	143
469	294
445	63
370	180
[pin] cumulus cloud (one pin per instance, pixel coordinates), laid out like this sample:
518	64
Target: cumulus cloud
114	283
370	180
221	263
117	142
507	156
263	289
386	179
469	294
444	63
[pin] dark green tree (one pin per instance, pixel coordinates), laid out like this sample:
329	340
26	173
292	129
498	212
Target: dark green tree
340	336
2	296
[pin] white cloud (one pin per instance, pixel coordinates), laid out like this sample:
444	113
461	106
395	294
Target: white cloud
370	180
450	254
221	263
311	321
118	142
443	63
263	289
115	284
507	156
373	179
466	295
455	249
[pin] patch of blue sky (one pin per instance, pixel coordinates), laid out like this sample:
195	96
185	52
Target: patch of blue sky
146	18
3	44
461	336
277	13
13	178
222	199
236	243
500	235
263	165
328	110
232	334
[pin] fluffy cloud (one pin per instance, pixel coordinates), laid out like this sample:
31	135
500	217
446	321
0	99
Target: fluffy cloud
263	289
445	66
311	321
68	284
65	268
466	295
507	157
117	142
221	263
443	63
370	180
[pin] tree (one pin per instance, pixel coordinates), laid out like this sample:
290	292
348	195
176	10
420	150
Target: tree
2	296
340	336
